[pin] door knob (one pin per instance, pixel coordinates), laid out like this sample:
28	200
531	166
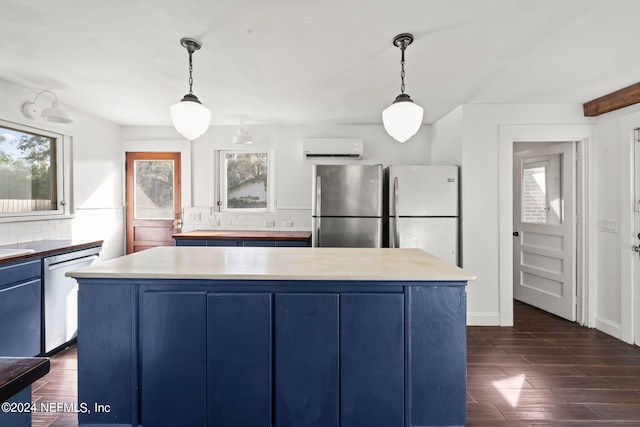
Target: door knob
177	223
516	234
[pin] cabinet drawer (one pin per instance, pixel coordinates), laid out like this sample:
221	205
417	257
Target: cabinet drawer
19	272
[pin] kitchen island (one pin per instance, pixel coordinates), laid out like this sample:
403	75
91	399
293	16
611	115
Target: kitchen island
237	336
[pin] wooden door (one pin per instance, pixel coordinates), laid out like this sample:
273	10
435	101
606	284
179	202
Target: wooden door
544	245
154	204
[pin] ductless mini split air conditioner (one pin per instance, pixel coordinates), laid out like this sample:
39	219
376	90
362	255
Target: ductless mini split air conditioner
347	148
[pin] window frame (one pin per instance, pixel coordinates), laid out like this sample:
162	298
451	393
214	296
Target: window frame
221	178
62	180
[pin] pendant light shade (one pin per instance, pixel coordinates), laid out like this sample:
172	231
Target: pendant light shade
403	118
190	118
242	137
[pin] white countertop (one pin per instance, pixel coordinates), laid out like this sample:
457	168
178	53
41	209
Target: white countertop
277	264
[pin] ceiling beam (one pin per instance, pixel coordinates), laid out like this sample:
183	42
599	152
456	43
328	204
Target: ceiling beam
619	99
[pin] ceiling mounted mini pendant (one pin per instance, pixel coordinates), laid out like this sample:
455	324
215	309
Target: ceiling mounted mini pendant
403	118
242	137
55	113
189	116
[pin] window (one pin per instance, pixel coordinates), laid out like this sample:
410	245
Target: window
541	190
245	181
31	172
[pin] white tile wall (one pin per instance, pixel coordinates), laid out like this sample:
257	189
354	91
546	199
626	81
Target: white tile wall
204	218
87	224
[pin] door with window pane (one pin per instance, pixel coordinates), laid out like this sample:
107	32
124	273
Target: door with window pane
153	199
544	244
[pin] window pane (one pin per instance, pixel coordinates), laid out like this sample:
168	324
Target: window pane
28	174
534	195
153	189
246	175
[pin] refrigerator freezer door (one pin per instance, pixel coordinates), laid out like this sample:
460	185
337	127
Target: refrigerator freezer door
423	190
438	236
335	232
347	190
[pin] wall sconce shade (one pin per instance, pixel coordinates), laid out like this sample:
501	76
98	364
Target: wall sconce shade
403	118
190	118
55	113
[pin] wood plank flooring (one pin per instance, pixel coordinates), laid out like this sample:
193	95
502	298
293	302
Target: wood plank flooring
543	371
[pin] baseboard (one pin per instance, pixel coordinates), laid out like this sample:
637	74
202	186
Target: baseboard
483	319
609	328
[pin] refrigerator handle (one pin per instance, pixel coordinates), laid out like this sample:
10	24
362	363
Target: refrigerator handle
396	212
318	208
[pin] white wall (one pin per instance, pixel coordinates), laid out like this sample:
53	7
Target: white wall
96	178
618	297
489	297
293	173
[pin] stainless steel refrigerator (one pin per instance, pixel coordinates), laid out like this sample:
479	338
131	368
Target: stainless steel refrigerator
347	206
421	209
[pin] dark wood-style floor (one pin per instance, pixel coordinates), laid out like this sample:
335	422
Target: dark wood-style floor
543	371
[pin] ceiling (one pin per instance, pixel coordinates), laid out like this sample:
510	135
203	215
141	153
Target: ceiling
316	61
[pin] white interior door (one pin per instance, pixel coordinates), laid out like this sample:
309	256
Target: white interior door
544	244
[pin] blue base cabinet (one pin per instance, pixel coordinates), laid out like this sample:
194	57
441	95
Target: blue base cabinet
273	354
20	309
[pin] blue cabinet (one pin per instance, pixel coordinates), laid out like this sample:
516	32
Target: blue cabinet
239	360
245	353
20	308
173	358
241	242
306	360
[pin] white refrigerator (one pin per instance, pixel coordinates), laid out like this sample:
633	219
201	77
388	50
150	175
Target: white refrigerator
421	209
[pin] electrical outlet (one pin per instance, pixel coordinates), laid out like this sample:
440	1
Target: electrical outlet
287	223
609	225
194	217
269	223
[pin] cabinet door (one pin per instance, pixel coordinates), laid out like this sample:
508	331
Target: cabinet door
306	360
372	360
258	243
173	369
438	355
223	243
20	319
190	242
239	360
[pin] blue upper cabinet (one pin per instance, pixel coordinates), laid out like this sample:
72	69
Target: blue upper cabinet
20	308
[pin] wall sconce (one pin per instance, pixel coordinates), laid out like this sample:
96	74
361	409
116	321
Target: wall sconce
55	113
189	116
403	118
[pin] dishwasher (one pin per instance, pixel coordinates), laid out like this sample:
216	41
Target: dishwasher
60	297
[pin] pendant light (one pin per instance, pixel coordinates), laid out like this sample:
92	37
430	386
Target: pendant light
55	113
242	137
189	116
403	118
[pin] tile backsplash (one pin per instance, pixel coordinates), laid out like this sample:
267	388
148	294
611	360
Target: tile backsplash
205	218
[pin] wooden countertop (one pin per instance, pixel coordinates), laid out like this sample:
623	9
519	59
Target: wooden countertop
16	373
43	248
244	234
248	263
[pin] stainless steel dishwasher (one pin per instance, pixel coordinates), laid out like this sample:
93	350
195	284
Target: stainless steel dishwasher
60	296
